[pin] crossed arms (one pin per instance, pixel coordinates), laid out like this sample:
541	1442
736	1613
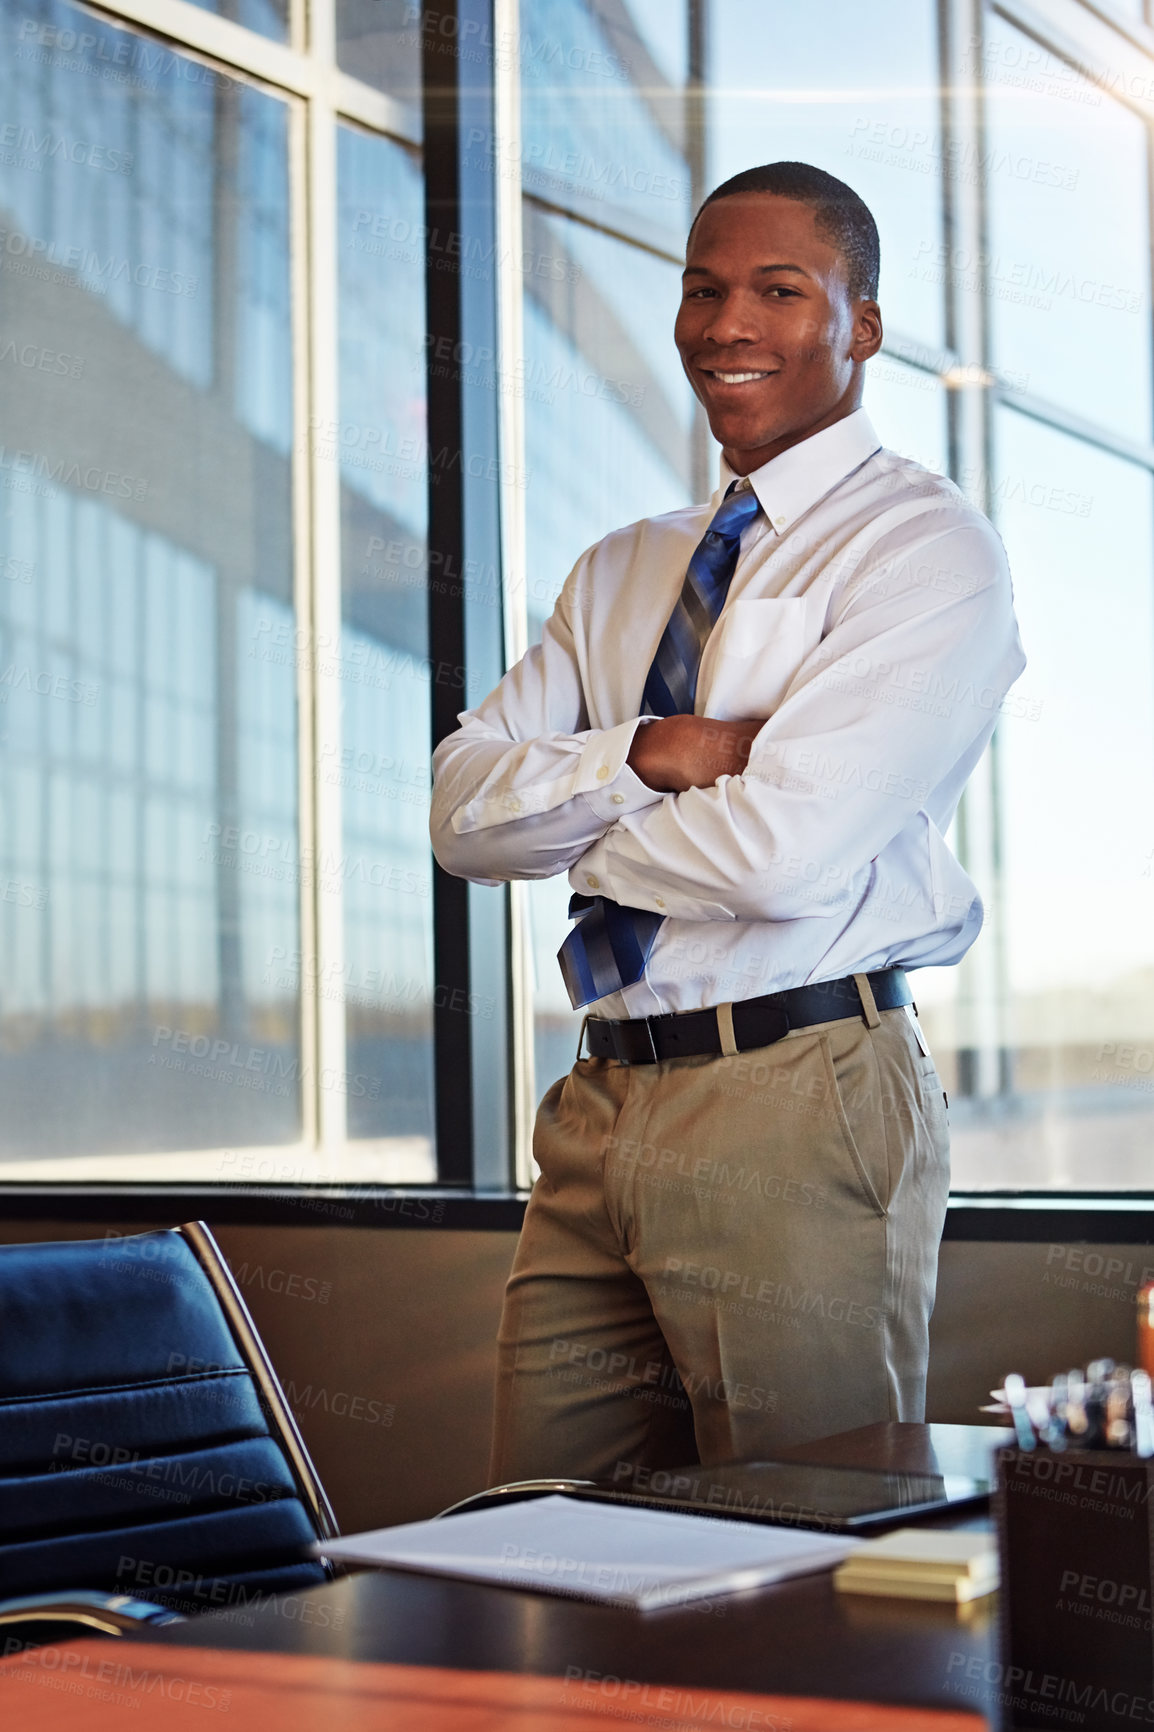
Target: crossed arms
695	815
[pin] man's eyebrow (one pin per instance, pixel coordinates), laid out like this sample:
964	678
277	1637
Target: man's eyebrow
702	271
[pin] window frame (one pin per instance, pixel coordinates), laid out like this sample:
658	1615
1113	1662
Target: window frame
484	1131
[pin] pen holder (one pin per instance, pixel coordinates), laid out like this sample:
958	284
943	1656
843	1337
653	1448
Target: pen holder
1074	1533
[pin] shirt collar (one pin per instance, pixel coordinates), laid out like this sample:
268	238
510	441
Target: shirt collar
789	484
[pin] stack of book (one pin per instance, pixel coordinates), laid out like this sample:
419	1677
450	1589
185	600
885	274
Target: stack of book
923	1564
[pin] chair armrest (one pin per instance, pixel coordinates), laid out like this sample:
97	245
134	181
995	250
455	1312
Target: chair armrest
516	1491
114	1614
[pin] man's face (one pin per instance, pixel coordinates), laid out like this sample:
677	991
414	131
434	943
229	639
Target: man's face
768	334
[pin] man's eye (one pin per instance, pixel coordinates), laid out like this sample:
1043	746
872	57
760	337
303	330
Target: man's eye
780	289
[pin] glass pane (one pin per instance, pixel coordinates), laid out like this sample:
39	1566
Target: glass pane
857	100
379	42
608	419
268	17
146	666
1069	265
603	114
384	768
908	409
1077	775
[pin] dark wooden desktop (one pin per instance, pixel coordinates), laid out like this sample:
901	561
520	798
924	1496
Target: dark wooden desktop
796	1638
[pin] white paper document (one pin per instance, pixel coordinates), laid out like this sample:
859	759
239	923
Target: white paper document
613	1552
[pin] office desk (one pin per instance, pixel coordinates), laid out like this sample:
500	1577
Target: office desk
796	1638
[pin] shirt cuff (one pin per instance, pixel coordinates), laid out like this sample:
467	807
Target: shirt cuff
609	787
604	869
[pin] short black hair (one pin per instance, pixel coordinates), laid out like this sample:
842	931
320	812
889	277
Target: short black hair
841	216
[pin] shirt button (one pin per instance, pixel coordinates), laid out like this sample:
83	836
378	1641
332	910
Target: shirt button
603	772
779	523
514	805
619	799
660	901
593	883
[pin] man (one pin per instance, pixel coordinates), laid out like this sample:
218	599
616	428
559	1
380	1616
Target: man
743	735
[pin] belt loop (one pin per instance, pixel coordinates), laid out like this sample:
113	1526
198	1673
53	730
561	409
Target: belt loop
868	1002
729	1046
581	1037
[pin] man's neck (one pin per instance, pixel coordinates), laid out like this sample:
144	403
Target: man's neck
745	462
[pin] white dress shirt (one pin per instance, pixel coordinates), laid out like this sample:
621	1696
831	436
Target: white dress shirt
870	622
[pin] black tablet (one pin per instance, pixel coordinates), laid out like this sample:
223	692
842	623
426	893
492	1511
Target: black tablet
788	1494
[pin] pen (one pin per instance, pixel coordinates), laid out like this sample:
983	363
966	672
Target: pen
1016	1397
1056	1433
1143	1413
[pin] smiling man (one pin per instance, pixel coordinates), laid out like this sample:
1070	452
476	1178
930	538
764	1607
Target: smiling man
743	736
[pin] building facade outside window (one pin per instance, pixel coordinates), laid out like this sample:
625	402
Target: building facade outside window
224	585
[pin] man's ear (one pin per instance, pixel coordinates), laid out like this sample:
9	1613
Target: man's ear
867	330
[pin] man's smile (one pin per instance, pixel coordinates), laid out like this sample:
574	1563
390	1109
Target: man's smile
734	378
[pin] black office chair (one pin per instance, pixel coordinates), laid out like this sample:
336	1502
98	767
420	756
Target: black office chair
150	1466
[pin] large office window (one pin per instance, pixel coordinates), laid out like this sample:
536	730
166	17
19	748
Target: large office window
1012	196
383	763
246	575
149	762
609	191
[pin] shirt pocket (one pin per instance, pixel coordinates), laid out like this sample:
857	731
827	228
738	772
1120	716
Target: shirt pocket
752	656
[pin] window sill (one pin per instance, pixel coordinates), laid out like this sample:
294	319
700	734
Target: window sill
1104	1218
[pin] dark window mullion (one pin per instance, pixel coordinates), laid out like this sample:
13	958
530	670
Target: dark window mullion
470	923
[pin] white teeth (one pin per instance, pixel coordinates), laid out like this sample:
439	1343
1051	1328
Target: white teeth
739	378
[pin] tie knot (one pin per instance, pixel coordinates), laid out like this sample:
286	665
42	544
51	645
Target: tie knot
734	513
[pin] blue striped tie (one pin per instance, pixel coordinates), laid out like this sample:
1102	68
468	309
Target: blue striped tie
610	944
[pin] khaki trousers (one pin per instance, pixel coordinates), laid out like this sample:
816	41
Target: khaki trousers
724	1256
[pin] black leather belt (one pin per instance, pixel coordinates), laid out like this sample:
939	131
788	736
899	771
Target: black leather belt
756	1021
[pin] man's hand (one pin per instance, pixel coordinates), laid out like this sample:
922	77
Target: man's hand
681	752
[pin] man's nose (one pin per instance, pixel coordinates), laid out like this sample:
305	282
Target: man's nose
732	320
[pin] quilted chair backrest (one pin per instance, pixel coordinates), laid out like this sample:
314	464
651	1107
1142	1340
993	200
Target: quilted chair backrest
136	1453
